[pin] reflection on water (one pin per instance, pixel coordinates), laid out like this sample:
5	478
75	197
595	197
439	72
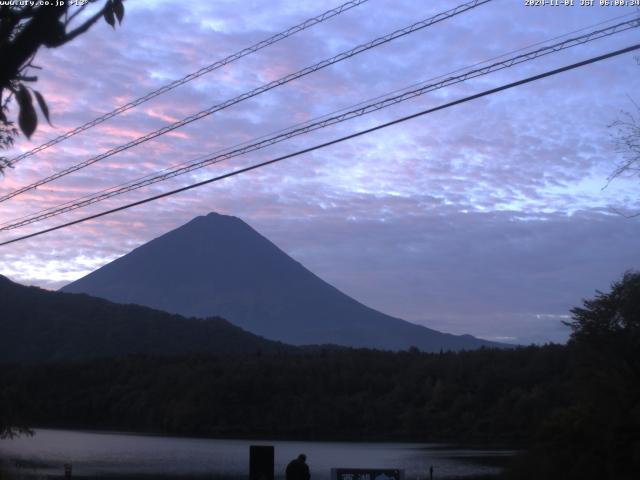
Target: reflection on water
127	455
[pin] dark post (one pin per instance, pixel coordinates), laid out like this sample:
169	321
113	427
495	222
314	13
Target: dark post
431	472
261	462
67	470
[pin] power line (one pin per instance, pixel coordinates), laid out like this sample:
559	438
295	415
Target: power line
310	22
362	109
326	115
311	126
264	88
335	141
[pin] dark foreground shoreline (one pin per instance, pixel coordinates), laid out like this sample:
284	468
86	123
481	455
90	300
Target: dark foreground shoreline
134	456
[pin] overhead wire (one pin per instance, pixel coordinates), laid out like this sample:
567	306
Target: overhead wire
310	22
326	115
257	91
325	121
333	142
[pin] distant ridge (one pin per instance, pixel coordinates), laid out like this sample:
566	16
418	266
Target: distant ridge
38	325
219	265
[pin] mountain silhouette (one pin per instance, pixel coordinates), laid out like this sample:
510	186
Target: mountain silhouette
218	265
38	325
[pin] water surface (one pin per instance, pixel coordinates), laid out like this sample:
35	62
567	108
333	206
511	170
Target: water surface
100	454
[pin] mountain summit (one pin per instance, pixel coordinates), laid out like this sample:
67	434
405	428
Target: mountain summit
218	265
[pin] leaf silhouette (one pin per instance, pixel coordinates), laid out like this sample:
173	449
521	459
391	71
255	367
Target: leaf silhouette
108	15
27	118
118	8
43	105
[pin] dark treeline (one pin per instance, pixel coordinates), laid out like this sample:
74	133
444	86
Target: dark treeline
576	407
41	326
484	395
597	436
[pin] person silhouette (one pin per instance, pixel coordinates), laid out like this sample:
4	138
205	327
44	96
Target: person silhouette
298	469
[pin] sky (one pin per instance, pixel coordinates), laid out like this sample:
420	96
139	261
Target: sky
493	217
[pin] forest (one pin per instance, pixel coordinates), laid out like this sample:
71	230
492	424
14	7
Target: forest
44	326
574	408
485	395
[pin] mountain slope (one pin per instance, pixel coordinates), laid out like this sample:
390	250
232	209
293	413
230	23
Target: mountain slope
39	325
218	265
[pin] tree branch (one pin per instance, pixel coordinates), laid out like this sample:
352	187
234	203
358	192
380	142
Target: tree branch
86	25
75	14
42	29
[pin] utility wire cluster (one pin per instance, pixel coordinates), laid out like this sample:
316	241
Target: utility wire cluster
335	141
252	93
343	115
325	122
192	76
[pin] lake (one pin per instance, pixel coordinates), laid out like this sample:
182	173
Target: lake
124	455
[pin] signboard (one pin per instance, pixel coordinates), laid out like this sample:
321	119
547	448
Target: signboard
367	474
261	462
